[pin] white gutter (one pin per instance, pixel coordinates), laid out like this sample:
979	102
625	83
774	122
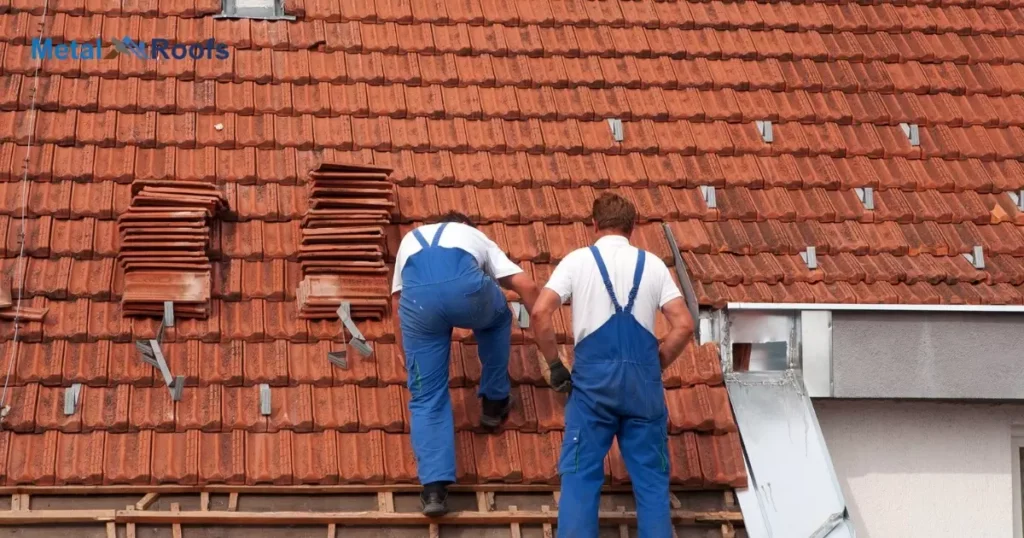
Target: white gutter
1002	309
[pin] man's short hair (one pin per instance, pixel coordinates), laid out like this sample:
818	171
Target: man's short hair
614	212
455	216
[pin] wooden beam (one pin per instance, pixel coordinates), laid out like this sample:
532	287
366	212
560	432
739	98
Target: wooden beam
728	531
514	530
204	501
485	501
147	501
47	517
623	528
386	501
175	527
546	527
111	529
196	517
332	530
233	501
129	528
434	531
675	502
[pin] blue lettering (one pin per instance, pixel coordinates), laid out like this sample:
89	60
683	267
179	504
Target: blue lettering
61	52
158	48
42	49
179	51
88	51
208	46
196	51
222	51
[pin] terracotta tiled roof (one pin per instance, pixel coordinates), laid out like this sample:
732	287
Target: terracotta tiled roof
498	109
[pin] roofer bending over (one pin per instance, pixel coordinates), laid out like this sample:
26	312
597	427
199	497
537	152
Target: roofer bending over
445	277
615	386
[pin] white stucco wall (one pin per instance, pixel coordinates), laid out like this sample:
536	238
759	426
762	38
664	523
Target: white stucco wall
921	469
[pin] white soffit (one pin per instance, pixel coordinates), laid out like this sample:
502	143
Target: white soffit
1009	309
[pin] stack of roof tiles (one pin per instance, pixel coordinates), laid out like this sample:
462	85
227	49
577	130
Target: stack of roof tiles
497	109
164	237
342	249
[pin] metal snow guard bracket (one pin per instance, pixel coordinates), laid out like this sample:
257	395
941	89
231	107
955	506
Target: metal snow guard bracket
1018	198
867	197
615	124
522	315
764	128
340	358
264	399
810	257
72	395
151	353
913	133
976	257
708	192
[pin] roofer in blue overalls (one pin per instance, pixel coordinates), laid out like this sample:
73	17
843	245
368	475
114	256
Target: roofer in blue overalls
615	388
447	275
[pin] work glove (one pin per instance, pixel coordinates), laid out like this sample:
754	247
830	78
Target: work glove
561	379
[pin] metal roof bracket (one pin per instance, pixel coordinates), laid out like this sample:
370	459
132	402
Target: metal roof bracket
264	399
521	313
684	280
72	395
913	133
340	358
810	257
616	126
1018	198
977	257
151	353
708	192
248	9
866	196
765	128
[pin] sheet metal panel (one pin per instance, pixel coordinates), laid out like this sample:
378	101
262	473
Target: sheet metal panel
793	489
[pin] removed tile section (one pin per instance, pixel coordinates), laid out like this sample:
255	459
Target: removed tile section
343	245
165	238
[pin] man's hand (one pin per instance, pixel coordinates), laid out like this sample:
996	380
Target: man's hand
679	335
561	379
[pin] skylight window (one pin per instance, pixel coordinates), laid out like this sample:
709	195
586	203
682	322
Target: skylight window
254	9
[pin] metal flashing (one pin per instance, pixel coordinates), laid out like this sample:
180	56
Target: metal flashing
169	313
764	127
866	196
253	9
615	124
976	257
708	192
264	399
1007	309
358	340
816	352
913	133
810	257
793	488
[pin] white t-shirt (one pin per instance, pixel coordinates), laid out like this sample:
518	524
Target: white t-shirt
488	254
578	277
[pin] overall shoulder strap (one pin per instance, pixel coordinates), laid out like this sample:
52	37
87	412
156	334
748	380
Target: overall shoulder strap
604	276
419	237
437	235
638	274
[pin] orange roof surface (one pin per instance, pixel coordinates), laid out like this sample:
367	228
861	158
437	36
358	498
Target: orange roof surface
500	109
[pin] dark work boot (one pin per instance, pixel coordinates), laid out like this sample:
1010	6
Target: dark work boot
495	412
435	499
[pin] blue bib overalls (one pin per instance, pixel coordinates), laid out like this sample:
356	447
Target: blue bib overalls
445	288
617	392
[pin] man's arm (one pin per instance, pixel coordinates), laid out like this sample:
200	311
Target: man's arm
522	284
679	335
551	364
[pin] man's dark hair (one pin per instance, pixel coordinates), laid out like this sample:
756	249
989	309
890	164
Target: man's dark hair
455	216
614	212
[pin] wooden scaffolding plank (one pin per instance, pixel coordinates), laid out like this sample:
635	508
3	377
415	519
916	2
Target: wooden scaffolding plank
300	489
546	527
332	530
111	529
514	530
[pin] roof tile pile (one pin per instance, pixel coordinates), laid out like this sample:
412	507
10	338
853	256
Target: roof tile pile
343	247
164	237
